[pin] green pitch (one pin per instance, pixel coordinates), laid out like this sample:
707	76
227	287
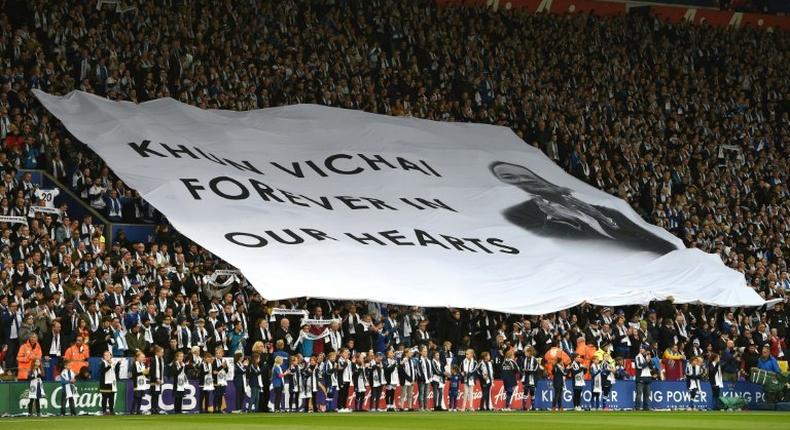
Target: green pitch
418	421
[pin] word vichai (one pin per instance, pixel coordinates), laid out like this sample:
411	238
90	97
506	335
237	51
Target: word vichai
338	164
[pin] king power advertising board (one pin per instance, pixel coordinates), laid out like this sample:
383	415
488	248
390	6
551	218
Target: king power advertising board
664	396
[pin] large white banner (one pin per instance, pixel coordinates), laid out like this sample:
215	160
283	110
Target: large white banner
322	202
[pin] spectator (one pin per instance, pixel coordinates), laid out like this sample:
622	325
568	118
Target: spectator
729	363
29	353
749	358
674	353
767	362
135	340
237	338
77	355
27	329
283	333
688	136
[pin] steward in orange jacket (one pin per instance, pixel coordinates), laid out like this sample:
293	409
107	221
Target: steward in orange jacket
28	353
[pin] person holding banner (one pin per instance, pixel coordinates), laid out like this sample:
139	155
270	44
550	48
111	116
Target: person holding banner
304	342
318	330
283	333
68	389
333	341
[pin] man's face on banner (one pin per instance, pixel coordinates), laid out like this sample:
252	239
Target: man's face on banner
523	178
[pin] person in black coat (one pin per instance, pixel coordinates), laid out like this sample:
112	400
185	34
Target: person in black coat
715	378
554	211
543	339
206	378
486	373
157	376
260	333
162	333
453	328
102	338
283	332
108	377
266	368
69	317
140	373
364	338
220	378
558	383
529	373
56	336
508	374
178	370
239	377
255	378
437	384
666	335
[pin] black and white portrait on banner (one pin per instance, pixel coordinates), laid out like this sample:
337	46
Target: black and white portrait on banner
552	210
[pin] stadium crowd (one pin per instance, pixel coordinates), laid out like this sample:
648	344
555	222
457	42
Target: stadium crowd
690	125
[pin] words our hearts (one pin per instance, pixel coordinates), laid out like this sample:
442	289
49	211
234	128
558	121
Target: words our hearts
414	238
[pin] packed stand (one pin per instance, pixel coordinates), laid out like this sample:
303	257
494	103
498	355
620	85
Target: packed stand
687	124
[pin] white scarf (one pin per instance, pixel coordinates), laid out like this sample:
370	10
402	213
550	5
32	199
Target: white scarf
109	377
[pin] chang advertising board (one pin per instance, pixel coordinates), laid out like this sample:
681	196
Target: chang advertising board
88	399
